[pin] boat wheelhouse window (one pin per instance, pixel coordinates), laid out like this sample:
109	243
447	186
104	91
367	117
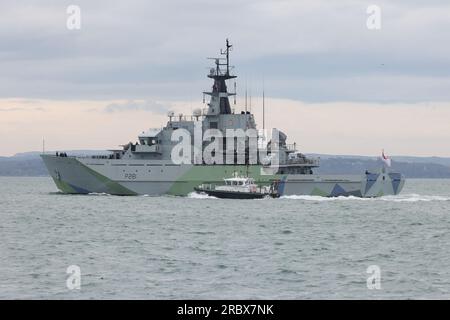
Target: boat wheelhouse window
213	125
150	141
241	183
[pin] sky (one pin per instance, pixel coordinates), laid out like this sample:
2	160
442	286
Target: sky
331	84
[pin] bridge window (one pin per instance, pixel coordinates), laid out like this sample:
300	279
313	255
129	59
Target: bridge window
213	125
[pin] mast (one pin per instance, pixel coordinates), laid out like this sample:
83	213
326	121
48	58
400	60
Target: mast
250	99
219	103
264	110
245	98
235	93
227	54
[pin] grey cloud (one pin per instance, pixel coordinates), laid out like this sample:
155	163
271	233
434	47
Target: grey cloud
134	49
14	109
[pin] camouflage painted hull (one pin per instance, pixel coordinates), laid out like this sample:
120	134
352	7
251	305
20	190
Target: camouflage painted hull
77	175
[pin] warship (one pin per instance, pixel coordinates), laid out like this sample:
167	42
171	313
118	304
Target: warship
151	166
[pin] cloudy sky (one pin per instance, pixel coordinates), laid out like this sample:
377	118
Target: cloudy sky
332	85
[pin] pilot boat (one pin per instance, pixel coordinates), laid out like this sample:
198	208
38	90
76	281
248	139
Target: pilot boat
239	187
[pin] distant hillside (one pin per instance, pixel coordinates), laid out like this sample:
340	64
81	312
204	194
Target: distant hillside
17	166
30	164
358	165
438	160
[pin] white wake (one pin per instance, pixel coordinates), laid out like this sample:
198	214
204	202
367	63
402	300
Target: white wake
196	195
320	198
398	198
415	198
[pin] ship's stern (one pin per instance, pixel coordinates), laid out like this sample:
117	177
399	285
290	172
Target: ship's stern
382	184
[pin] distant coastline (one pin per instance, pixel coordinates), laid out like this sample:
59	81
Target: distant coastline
29	164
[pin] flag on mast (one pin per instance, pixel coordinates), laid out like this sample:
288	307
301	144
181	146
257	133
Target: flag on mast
386	159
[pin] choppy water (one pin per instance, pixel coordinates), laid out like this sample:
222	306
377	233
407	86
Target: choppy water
197	247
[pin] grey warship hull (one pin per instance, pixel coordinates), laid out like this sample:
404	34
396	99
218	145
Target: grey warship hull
79	175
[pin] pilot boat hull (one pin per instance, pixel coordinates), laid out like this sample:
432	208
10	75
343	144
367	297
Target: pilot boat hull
236	194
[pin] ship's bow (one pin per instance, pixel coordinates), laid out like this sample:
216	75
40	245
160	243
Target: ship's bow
72	176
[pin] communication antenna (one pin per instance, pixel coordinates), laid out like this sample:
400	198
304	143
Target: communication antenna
246	98
250	100
235	93
197	113
263	108
43	145
226	52
170	114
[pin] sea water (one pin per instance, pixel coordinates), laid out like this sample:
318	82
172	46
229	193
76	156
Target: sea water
198	247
